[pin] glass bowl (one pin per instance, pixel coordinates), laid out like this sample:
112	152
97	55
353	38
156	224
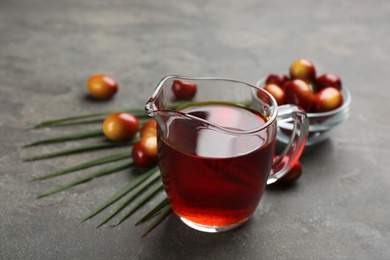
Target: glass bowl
320	123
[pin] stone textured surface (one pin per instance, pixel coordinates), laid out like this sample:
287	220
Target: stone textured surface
339	209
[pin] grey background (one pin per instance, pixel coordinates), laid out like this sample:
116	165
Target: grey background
339	209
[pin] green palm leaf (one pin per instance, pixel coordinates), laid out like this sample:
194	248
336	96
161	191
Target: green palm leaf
135	111
102	160
157	188
132	195
122	192
111	169
84	148
117	162
74	136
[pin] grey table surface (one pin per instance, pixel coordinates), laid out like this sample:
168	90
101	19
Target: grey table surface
339	209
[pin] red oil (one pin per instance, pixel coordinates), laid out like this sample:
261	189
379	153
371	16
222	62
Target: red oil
211	177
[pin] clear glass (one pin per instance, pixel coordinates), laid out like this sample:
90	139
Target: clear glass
216	148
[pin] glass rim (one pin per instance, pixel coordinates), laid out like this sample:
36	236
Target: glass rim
151	108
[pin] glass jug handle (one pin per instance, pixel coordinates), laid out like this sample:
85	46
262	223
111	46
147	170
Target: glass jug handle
283	163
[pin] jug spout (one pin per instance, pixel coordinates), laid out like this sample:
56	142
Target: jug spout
162	105
159	100
151	109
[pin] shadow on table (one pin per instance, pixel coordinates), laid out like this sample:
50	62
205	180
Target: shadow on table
312	155
177	241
